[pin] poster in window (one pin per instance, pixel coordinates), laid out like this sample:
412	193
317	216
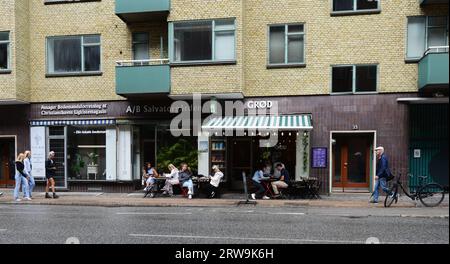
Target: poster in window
319	157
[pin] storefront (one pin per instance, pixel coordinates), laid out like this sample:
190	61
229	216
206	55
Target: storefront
14	138
335	144
102	146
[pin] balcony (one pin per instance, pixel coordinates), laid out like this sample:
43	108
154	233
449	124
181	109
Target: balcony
433	71
432	2
132	11
143	77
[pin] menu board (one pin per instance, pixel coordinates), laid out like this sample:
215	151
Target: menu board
319	157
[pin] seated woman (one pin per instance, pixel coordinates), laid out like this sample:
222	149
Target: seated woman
172	180
257	178
149	175
185	179
213	186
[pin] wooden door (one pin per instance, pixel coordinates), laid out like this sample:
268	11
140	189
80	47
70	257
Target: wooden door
7	166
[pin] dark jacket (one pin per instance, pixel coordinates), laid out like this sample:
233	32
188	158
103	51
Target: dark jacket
285	173
50	171
184	176
383	167
20	168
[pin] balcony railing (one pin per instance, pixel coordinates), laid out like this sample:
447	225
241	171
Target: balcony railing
433	71
134	77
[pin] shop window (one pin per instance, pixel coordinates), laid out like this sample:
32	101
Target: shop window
86	147
354	78
425	32
204	41
4	51
73	54
286	44
355	5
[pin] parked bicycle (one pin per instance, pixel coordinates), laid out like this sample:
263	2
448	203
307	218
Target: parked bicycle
429	194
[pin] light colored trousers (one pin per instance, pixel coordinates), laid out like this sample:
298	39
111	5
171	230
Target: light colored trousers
190	185
278	184
21	181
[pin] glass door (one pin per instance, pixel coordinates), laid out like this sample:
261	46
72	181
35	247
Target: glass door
57	143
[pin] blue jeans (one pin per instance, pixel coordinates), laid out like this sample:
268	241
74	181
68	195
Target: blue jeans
190	185
21	181
259	188
380	182
31	185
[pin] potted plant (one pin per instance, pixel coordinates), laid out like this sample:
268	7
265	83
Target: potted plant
79	164
92	167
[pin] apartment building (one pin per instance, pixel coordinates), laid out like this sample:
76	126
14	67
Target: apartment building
94	80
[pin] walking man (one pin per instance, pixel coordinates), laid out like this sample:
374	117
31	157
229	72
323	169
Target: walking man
50	173
381	174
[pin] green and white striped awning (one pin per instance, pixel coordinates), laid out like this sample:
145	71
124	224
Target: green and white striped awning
284	122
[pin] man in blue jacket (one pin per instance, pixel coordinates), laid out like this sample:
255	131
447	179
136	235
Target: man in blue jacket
381	174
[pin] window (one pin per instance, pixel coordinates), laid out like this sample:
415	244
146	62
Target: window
199	41
73	54
354	78
4	51
141	46
425	32
355	5
286	44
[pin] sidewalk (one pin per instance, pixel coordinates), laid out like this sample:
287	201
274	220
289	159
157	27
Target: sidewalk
341	200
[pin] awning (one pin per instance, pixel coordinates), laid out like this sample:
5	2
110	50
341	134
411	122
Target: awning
284	122
72	122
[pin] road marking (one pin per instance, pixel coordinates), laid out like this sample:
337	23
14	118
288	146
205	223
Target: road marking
143	213
286	213
272	239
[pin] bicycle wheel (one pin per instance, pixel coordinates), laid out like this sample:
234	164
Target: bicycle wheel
391	198
431	194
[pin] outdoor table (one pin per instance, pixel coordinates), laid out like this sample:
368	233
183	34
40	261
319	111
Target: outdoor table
267	184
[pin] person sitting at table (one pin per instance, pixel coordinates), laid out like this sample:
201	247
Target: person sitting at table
213	186
185	178
267	170
149	175
257	178
171	180
276	173
282	182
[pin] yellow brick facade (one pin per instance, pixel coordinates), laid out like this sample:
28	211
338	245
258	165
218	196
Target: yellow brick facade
354	39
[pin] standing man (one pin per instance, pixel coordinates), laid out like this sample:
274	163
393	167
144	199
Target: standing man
282	182
28	168
381	174
50	173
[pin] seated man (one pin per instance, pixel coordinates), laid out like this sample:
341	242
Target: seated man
282	182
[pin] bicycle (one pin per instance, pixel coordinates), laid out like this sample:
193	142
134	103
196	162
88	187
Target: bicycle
430	194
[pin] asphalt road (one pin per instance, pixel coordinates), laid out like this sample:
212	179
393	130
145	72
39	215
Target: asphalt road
72	224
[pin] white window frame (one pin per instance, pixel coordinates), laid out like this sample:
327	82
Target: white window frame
416	59
286	50
354	78
8	51
213	41
83	71
355	9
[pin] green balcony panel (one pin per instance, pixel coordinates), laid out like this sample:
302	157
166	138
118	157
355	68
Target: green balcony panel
131	11
432	2
433	73
135	80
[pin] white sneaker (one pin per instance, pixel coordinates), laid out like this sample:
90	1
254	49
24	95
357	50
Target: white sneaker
190	196
253	196
27	199
266	198
18	200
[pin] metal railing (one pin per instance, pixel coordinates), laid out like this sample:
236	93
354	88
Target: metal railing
130	63
436	49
